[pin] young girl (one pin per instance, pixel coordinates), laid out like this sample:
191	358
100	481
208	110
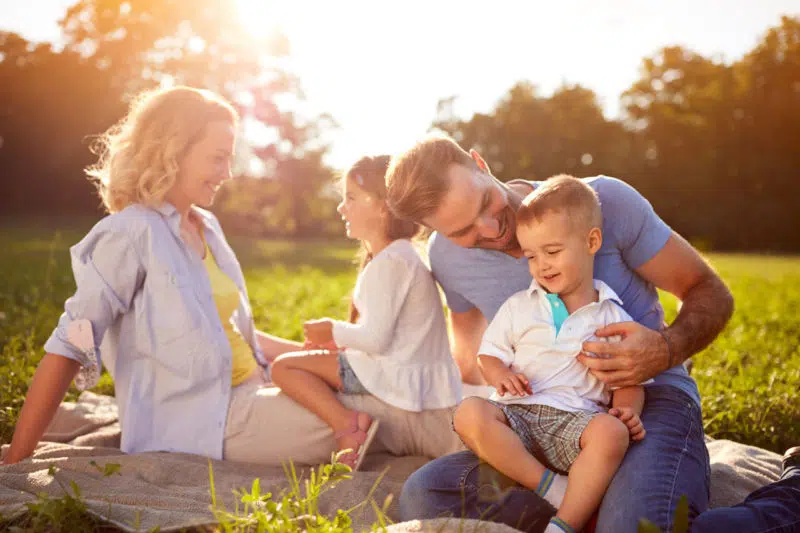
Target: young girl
395	346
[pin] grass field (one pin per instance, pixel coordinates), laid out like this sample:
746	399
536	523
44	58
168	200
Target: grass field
749	378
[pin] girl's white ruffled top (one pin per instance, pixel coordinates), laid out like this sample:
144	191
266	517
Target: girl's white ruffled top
399	348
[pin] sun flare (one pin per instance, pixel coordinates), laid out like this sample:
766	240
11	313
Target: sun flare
262	18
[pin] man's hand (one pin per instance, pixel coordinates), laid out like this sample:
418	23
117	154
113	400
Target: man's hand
502	378
640	355
319	332
629	417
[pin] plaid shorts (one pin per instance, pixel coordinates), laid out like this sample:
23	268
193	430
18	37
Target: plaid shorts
350	382
551	435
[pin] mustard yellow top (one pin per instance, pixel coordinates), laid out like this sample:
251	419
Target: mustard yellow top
226	298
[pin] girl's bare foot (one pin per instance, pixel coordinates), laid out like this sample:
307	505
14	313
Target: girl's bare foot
353	437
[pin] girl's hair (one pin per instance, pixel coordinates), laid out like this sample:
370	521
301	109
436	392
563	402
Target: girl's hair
369	174
138	157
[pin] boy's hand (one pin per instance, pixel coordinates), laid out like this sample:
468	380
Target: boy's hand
502	378
505	380
629	417
319	332
513	383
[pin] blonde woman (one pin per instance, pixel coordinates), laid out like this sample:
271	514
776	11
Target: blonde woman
161	302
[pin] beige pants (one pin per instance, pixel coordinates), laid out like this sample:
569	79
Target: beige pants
266	426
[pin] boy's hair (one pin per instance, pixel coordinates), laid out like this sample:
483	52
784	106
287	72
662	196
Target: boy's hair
416	181
563	193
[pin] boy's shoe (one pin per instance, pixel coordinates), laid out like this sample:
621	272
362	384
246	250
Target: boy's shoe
791	460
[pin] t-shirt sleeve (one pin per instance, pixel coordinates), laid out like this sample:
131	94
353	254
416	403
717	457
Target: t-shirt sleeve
639	231
455	301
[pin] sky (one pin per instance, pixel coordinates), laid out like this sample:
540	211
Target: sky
379	68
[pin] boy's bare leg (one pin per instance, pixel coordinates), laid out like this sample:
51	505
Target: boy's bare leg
485	430
603	445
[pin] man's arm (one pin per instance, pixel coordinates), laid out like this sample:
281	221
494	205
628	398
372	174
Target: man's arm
706	306
706	302
466	332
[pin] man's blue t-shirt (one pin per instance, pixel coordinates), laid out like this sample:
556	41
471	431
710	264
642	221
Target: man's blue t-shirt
632	235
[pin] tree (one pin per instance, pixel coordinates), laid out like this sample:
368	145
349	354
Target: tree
682	107
719	141
527	136
115	48
49	107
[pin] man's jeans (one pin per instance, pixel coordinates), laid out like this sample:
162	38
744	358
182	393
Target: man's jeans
774	509
672	460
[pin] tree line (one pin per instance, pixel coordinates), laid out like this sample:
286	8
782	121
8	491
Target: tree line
715	146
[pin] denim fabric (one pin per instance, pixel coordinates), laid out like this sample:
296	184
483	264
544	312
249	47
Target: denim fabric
771	509
461	485
350	382
672	460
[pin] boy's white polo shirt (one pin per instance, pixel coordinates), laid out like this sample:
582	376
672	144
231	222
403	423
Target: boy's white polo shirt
523	336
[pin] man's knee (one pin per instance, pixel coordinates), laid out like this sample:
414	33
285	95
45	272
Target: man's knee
414	498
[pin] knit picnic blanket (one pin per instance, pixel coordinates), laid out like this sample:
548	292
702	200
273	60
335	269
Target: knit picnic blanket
173	491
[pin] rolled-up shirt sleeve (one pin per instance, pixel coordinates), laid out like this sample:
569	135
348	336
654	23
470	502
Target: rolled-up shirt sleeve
108	272
498	339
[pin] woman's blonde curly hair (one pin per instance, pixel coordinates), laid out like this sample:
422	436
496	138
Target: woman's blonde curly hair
138	157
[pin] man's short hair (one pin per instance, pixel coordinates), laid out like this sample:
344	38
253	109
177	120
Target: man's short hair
416	181
563	193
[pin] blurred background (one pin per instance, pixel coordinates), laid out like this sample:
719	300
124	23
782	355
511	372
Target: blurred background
697	104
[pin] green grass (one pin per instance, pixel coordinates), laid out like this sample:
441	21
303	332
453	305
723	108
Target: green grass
748	378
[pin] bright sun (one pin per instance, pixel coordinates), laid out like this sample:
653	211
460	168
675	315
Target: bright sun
262	18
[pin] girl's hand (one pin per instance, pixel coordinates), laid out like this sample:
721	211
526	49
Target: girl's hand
629	417
319	332
322	348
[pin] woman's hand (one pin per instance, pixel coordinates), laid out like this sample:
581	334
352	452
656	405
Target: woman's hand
319	332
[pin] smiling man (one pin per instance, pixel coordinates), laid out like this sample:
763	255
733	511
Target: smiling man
478	262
